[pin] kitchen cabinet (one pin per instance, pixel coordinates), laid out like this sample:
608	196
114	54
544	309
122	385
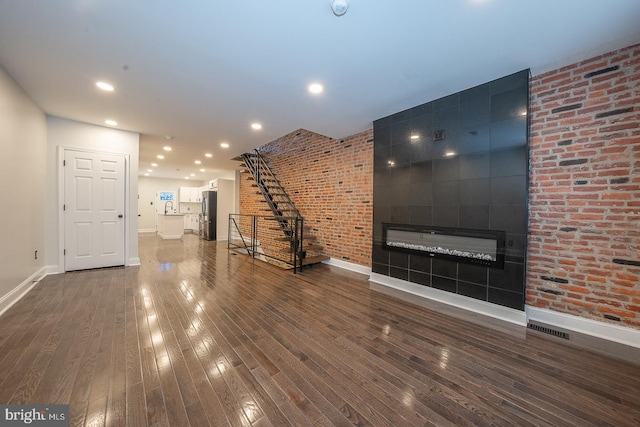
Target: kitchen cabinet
185	194
196	195
191	222
190	195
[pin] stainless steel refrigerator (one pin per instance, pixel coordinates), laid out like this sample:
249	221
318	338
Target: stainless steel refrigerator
209	211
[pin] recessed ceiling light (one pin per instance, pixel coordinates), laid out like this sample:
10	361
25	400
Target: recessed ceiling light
201	170
224	145
149	170
166	148
391	162
339	7
146	174
450	153
256	126
208	155
160	156
414	137
315	88
154	164
197	162
193	174
105	86
111	122
186	177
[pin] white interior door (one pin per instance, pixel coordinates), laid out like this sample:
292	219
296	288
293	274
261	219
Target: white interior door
94	192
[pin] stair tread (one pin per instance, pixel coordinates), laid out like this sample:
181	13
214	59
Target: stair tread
303	248
314	259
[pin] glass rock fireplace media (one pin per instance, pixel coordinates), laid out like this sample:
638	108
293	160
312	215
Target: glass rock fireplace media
484	247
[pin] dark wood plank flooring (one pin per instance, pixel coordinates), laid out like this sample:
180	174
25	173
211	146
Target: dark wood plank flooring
197	336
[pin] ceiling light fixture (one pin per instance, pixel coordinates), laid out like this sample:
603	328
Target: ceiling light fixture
111	122
208	155
201	170
414	137
197	162
450	153
105	86
193	174
154	164
160	156
315	88
339	7
149	170
256	126
166	148
168	137
224	145
146	174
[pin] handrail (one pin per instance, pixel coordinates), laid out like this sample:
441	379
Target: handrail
288	217
235	223
258	178
265	243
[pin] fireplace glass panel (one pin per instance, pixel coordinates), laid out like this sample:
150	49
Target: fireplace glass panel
484	247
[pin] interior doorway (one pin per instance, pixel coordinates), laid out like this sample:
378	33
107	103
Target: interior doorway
93	210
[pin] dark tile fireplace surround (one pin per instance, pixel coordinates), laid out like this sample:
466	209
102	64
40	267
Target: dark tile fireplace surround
455	166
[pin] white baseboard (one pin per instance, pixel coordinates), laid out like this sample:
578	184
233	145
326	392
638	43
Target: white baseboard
170	236
52	269
146	230
19	291
133	262
606	331
348	266
488	309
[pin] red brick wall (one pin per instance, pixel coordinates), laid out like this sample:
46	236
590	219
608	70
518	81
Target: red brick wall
331	183
585	189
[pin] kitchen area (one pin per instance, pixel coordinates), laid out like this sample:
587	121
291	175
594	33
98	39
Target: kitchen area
171	209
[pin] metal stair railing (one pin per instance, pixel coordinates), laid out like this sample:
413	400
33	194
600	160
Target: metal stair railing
279	202
235	233
263	244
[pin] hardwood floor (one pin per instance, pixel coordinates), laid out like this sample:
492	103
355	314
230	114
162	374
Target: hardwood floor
198	336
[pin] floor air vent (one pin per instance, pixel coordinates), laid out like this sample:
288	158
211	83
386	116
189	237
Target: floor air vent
548	331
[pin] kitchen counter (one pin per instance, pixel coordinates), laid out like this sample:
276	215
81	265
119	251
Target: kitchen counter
171	225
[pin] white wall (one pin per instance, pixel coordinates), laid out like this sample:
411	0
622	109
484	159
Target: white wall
71	134
147	187
23	148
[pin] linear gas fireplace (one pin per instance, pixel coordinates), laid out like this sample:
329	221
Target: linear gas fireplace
482	247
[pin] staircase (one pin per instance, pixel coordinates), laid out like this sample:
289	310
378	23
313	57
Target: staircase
286	217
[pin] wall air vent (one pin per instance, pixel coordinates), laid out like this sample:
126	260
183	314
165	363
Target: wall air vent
549	331
438	135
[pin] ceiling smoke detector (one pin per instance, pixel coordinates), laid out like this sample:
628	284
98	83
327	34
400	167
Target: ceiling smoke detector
339	7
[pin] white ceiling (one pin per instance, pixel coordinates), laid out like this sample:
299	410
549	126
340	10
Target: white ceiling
203	71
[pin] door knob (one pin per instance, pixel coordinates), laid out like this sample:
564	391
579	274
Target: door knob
120	216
